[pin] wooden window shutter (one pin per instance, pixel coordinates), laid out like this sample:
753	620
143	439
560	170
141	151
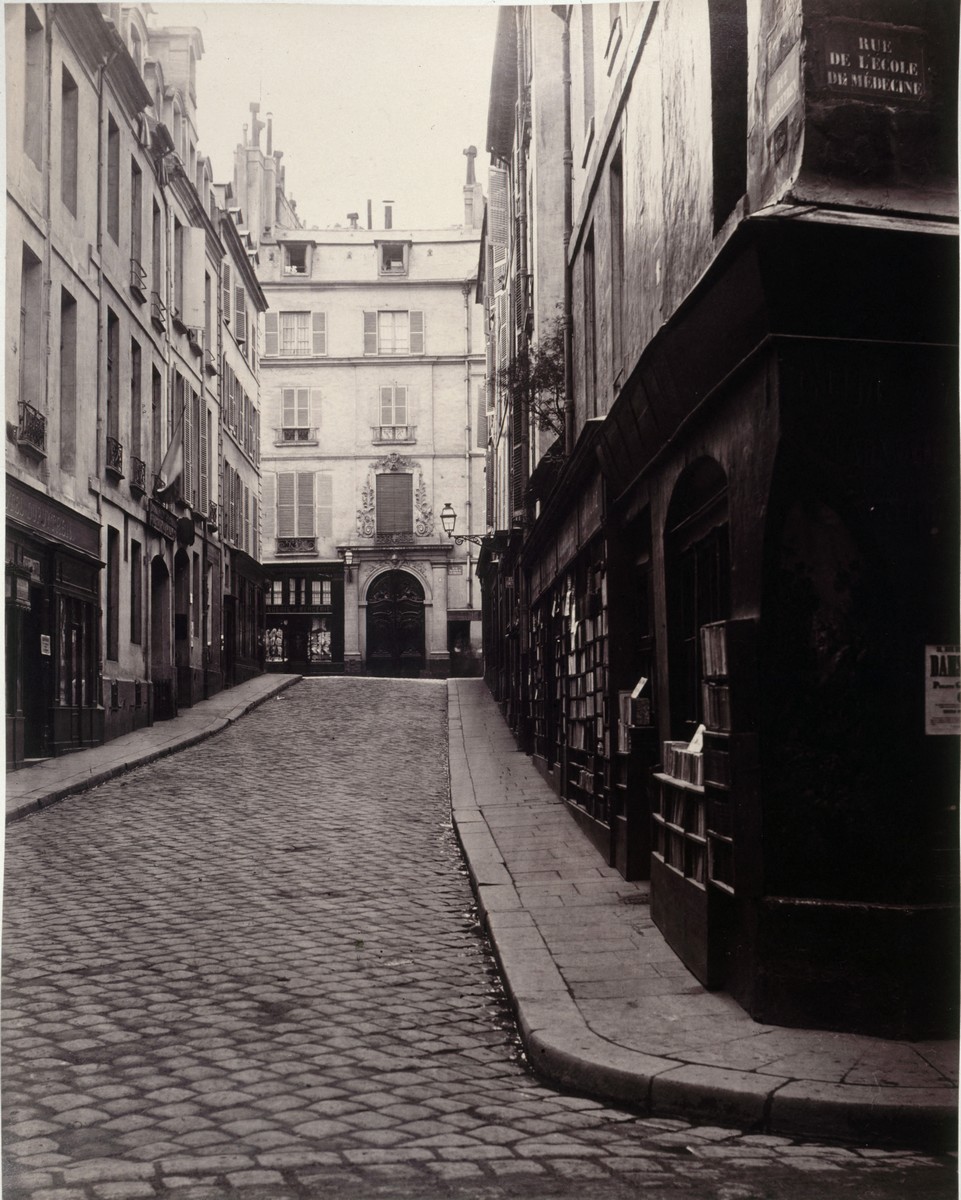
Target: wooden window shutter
417	333
271	333
257	436
498	216
270	501
386	406
188	420
225	296
489	488
370	333
318	325
246	544
325	504
400	406
481	415
240	332
289	408
303	408
305	504
314	407
255	526
395	504
204	462
286	504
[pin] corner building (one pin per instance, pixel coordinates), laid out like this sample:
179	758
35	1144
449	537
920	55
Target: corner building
374	417
754	532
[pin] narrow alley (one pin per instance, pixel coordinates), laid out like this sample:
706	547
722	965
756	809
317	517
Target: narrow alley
255	968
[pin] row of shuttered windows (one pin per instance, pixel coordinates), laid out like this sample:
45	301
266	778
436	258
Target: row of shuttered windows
304	334
300	504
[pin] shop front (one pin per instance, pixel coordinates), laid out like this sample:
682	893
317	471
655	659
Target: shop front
52	628
305	619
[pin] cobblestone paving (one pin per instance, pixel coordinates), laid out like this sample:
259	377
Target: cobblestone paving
253	969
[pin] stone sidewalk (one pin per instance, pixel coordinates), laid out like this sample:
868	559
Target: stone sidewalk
607	1008
47	782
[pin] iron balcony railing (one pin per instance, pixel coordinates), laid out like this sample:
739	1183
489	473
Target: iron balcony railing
296	545
32	429
158	311
114	463
296	433
138	474
138	279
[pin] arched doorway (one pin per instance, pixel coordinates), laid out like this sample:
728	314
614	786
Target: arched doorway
160	657
395	625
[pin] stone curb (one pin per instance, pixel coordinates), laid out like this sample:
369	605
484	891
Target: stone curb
563	1050
32	804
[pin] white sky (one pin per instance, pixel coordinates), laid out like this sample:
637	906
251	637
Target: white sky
369	102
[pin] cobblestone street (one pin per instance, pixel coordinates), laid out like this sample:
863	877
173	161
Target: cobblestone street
254	969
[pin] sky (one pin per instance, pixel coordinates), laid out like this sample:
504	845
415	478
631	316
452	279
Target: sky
369	102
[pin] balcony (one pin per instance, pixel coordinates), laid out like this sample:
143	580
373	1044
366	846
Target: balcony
178	321
158	311
296	545
32	430
210	362
138	474
114	462
393	433
296	435
138	280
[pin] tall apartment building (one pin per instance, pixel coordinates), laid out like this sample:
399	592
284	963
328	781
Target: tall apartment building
374	418
114	249
735	603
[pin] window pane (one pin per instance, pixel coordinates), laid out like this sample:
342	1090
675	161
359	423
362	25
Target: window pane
295	333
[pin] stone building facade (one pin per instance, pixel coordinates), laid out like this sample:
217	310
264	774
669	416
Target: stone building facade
373	379
728	610
114	336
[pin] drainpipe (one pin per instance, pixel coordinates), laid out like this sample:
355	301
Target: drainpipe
565	15
468	439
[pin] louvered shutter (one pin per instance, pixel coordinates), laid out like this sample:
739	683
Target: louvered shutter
400	406
314	407
246	543
255	526
286	504
386	406
240	332
289	408
305	504
257	437
417	340
303	408
497	215
325	504
481	392
370	333
225	296
395	504
188	419
204	463
270	500
489	488
318	326
271	333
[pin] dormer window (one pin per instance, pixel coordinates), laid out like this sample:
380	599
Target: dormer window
296	258
392	258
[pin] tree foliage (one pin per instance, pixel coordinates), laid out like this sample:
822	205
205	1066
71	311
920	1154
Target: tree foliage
535	379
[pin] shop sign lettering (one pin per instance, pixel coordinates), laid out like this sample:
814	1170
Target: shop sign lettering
873	62
942	689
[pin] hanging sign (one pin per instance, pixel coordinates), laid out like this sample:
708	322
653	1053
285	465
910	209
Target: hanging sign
942	689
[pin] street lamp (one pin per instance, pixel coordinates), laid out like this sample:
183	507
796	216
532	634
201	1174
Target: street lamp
348	561
448	519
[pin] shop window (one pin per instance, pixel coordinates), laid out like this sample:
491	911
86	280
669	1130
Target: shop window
113	593
136	592
395	504
274	645
698	583
275	593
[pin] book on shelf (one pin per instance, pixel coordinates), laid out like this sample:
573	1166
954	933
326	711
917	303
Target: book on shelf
714	649
717	705
682	763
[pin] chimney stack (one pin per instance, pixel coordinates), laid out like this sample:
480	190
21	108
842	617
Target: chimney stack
270	135
370	215
388	214
353	218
